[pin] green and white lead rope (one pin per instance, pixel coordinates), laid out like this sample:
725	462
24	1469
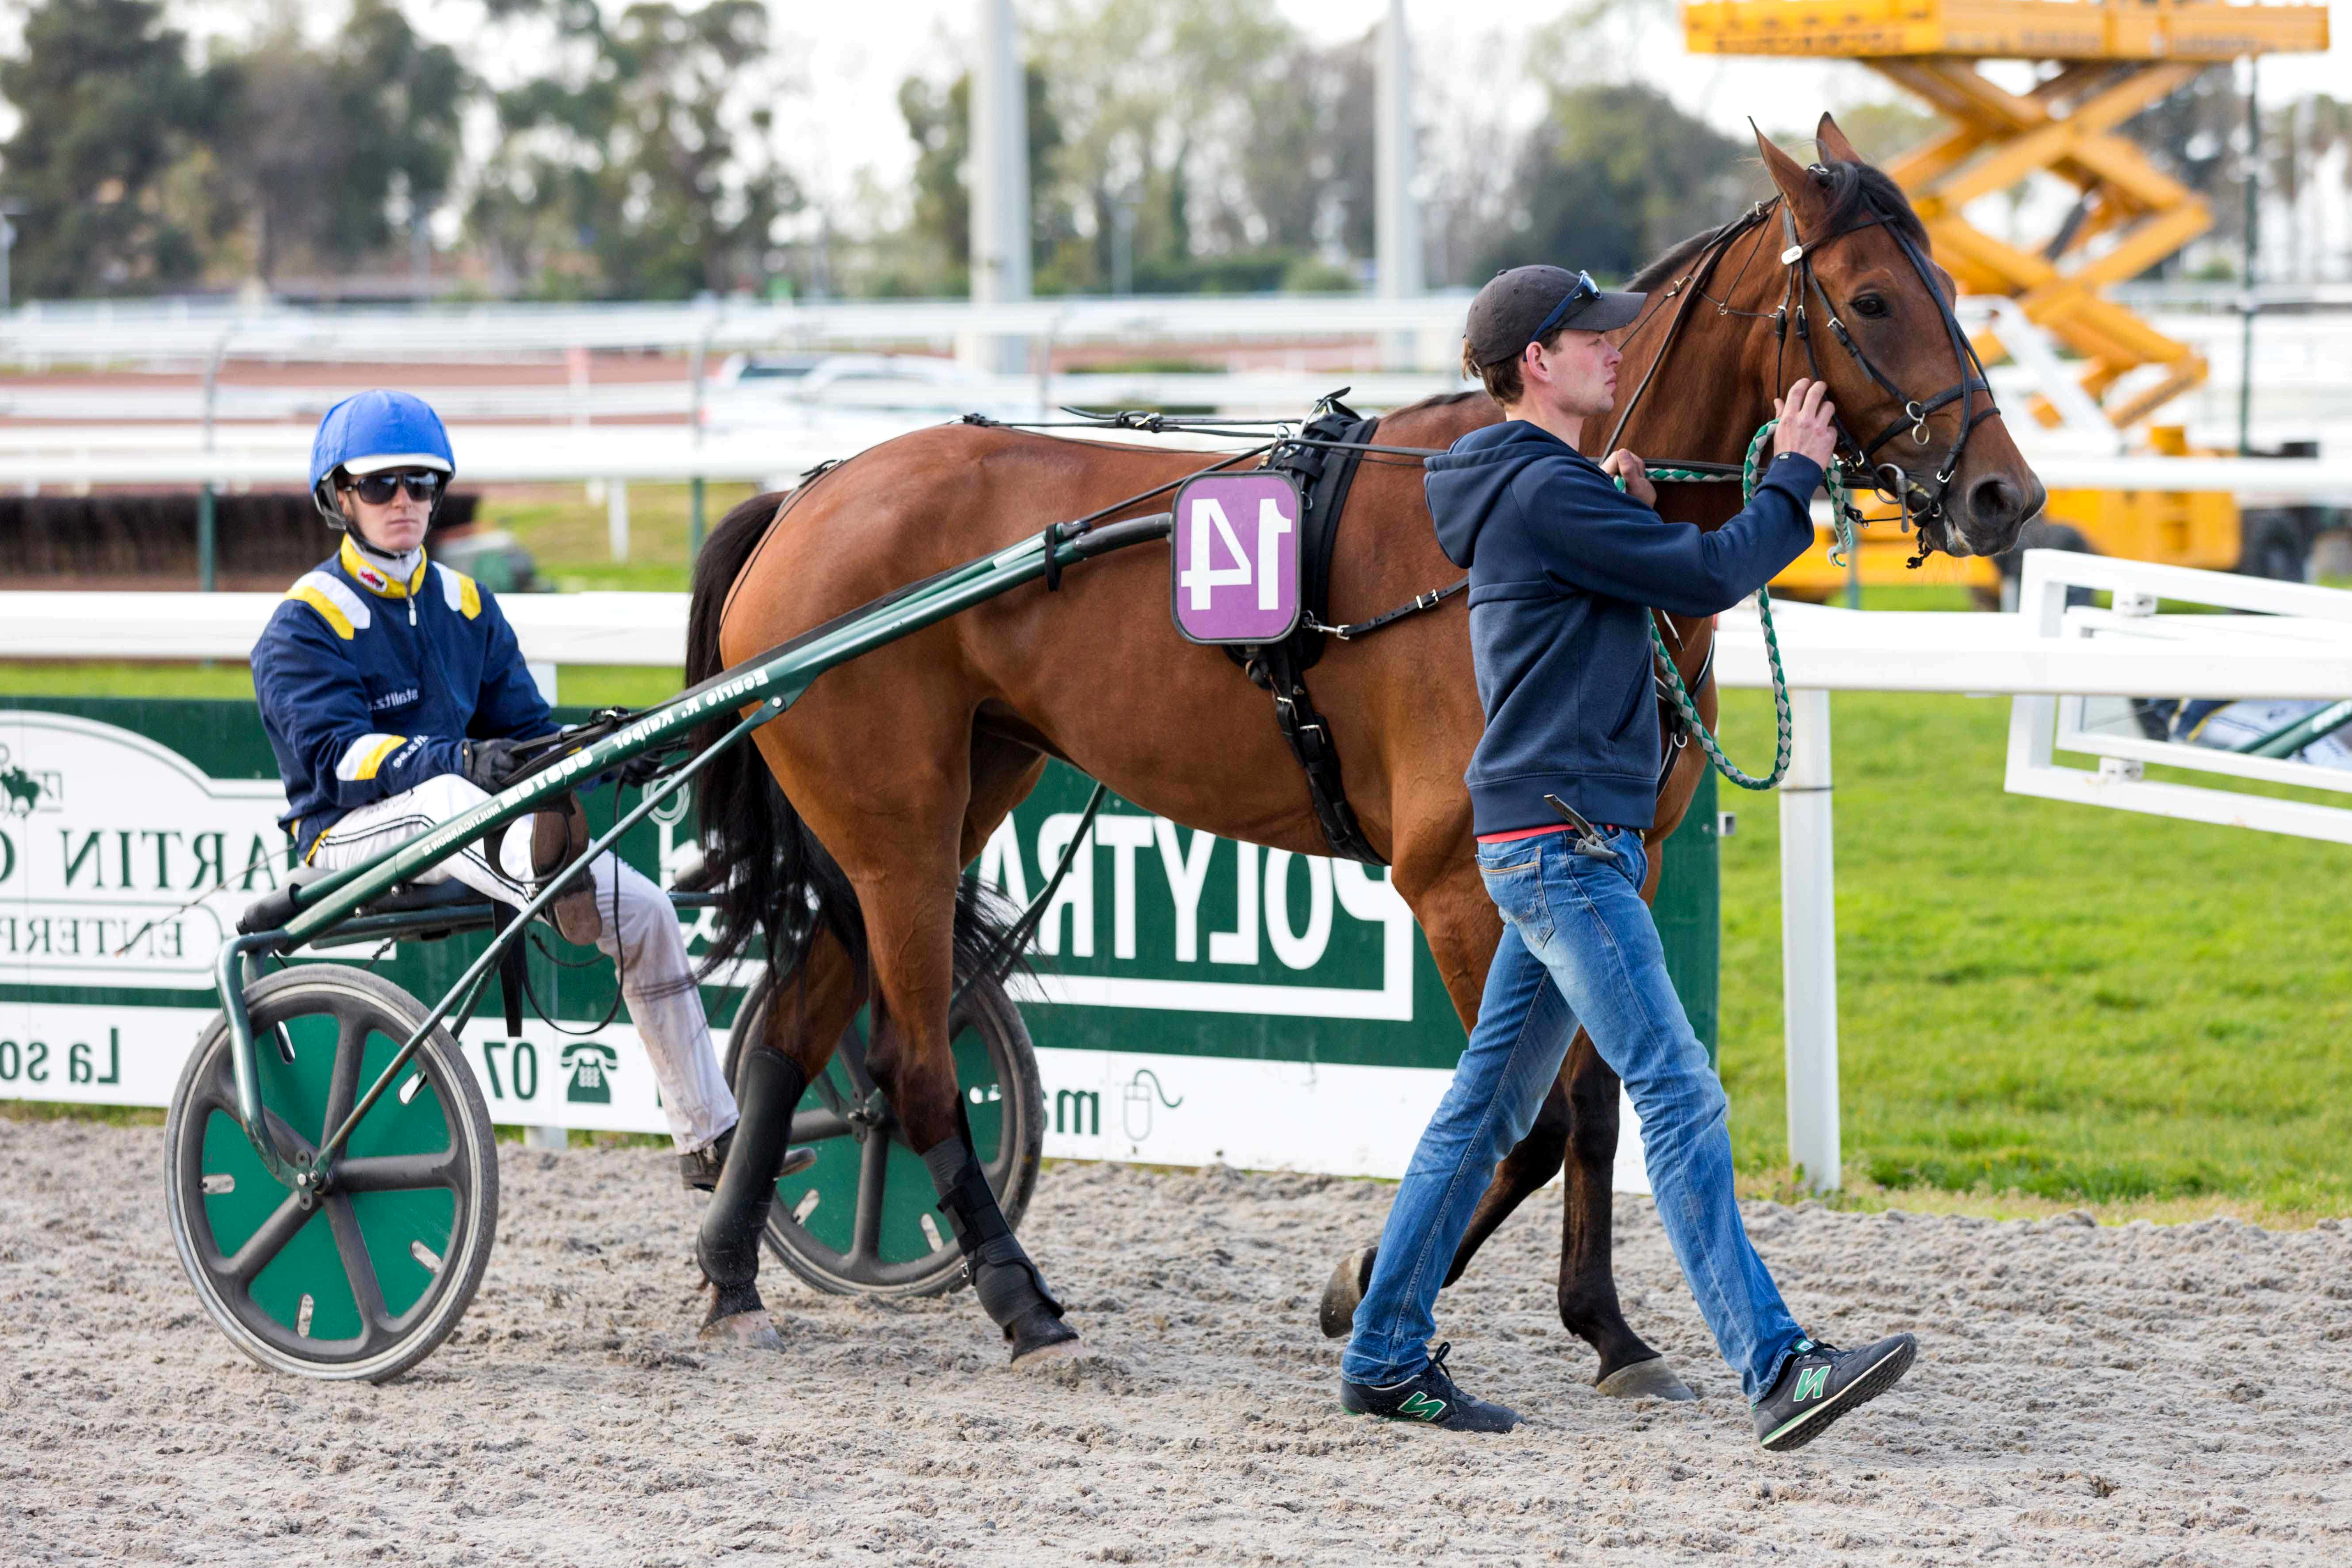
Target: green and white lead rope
1842	551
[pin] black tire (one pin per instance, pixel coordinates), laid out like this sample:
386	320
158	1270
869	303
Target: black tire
2273	547
828	1229
395	1247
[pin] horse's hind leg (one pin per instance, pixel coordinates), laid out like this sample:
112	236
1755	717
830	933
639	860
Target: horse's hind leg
1588	1288
805	1016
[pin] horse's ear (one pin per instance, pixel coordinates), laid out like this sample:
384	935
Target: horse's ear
1834	147
1795	185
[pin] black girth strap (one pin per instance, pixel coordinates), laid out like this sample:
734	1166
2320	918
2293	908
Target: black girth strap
1325	474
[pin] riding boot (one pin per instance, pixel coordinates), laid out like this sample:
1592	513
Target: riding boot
1011	1289
729	1244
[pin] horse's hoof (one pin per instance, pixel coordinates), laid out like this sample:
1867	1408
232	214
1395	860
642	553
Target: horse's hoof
1652	1379
1038	1336
752	1331
1346	1293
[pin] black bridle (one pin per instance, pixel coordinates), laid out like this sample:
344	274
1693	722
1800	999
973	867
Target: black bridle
1893	481
1920	504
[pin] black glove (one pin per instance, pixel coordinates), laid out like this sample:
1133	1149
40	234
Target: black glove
489	765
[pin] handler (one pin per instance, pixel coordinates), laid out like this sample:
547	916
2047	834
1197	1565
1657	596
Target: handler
394	692
1563	570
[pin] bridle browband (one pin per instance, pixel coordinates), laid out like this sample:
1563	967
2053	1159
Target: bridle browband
1893	482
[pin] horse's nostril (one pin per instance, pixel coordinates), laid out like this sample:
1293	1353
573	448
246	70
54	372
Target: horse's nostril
1995	502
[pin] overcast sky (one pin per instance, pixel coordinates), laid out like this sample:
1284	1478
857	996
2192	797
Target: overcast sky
856	55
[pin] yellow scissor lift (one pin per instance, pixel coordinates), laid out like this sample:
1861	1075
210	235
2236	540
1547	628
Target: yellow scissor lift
2100	62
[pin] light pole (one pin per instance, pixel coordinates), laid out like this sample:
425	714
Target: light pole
1396	217
7	246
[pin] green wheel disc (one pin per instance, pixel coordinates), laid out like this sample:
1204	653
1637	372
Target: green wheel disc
864	1220
369	1279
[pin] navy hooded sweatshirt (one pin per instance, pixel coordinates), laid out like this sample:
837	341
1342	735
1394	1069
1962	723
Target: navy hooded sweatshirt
1564	570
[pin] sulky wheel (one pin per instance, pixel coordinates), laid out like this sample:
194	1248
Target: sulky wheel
863	1220
369	1280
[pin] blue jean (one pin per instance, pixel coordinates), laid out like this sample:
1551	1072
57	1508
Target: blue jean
1578	945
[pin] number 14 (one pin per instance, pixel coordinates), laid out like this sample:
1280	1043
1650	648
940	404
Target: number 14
1200	577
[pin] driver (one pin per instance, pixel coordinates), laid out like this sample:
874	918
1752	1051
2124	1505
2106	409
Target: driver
394	692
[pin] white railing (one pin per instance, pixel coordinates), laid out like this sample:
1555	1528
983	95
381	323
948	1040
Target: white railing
195	331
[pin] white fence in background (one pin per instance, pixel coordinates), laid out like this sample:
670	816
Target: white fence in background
188	332
2291	625
2041	656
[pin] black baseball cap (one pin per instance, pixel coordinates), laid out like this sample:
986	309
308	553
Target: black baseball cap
1517	307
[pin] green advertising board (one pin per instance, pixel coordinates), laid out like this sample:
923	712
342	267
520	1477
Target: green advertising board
1194	999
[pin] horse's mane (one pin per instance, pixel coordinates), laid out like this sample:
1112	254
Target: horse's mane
1852	189
1437	400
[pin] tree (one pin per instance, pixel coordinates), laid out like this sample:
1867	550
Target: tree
939	121
1615	175
624	172
319	143
105	103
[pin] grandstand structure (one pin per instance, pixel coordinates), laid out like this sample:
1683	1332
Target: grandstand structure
2097	63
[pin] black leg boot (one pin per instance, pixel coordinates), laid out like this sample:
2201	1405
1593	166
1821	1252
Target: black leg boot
728	1246
1011	1289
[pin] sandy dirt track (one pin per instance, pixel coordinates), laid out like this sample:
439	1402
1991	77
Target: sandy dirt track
2132	1396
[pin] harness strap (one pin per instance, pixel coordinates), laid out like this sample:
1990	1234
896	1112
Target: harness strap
1308	735
1421	601
1331	447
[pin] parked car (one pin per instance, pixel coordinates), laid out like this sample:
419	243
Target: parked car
817	391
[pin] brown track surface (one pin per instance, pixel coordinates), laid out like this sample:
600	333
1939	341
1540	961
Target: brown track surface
2084	1394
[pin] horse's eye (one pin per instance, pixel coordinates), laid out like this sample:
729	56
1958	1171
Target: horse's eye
1871	305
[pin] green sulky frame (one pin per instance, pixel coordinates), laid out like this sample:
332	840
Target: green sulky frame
760	689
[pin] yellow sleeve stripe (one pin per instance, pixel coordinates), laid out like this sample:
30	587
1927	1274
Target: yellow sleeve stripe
325	606
366	754
382	749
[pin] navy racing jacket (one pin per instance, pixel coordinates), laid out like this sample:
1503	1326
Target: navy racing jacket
1564	570
369	686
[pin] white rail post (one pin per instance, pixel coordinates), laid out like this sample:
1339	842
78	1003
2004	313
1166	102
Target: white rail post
616	518
1809	946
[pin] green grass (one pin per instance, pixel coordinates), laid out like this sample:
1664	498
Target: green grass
2053	1000
567	534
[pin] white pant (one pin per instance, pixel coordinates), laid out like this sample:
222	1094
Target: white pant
656	979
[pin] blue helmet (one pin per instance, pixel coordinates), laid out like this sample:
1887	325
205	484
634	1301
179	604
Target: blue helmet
372	431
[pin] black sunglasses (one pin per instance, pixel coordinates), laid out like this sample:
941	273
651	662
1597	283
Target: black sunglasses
376	489
1585	291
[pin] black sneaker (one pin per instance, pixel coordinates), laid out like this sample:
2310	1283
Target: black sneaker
1822	1382
1430	1397
698	1168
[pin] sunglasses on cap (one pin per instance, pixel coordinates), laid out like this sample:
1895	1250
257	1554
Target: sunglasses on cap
376	489
1584	293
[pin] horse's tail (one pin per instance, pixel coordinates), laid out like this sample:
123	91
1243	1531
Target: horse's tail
771	873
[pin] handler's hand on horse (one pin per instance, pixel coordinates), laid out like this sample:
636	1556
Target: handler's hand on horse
1621	463
1808	422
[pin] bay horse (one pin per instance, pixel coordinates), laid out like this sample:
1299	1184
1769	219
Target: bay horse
851	828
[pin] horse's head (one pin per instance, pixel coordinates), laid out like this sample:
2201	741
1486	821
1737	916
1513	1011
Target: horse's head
1871	313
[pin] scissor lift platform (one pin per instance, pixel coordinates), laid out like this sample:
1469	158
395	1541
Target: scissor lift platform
2112	60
